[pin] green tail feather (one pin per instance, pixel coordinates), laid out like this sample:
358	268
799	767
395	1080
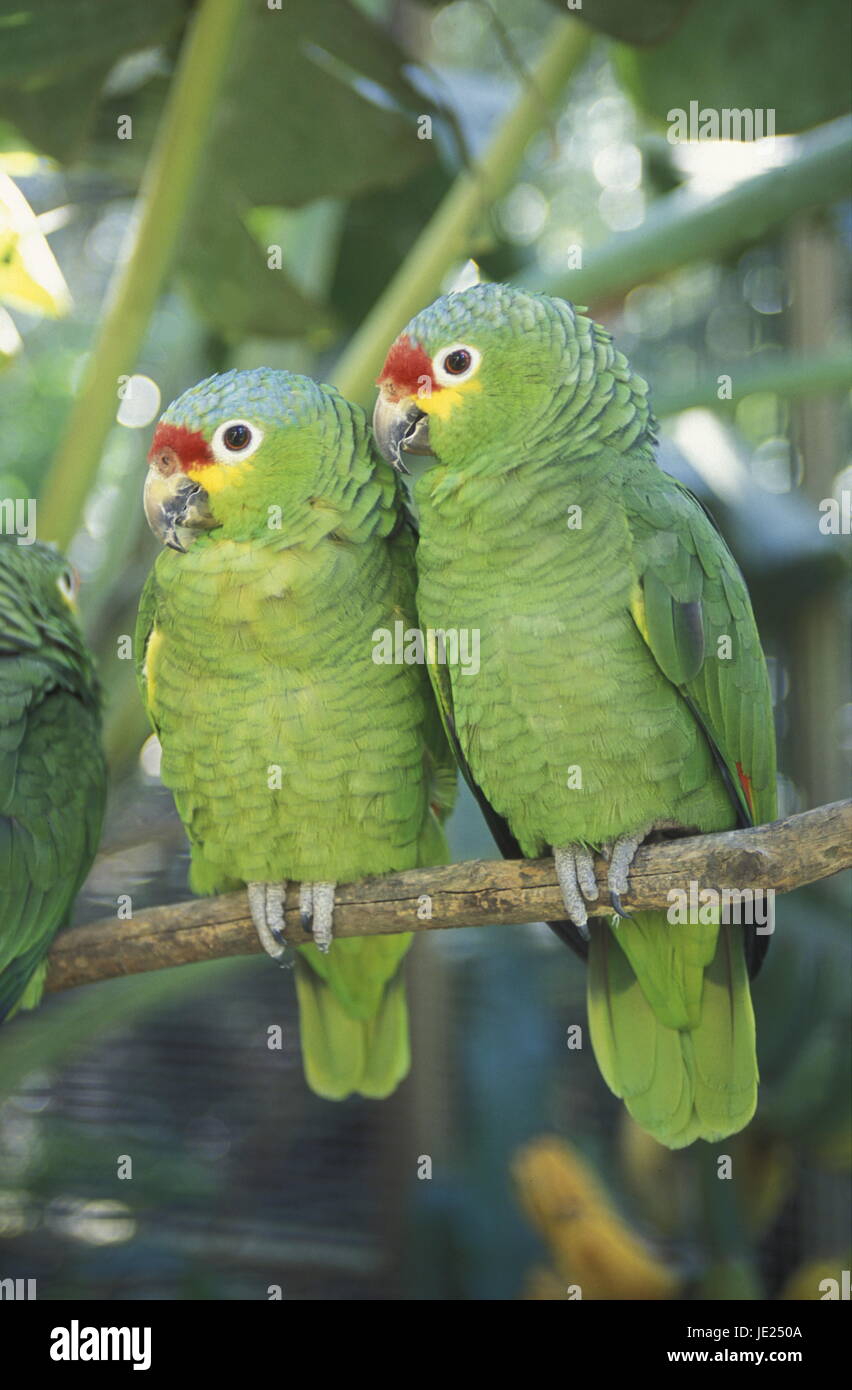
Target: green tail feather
697	1080
22	982
352	1011
353	1017
670	963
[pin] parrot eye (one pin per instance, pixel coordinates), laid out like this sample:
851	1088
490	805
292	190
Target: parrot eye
236	439
456	363
68	585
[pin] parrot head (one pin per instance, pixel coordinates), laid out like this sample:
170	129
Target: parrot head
240	448
38	603
485	374
51	584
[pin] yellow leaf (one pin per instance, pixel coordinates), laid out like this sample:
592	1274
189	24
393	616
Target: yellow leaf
10	338
30	278
591	1245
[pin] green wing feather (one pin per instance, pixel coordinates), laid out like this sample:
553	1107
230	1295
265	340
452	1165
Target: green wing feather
699	625
146	620
669	1006
442	766
52	774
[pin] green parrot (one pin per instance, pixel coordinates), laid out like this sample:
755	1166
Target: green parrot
294	753
621	692
52	772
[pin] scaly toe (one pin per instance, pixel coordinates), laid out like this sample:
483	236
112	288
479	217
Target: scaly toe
316	903
585	862
564	857
266	904
621	853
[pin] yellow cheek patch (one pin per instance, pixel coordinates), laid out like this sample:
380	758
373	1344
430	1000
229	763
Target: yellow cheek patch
155	641
214	477
637	610
443	401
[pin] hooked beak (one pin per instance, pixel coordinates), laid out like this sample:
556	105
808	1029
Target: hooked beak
400	426
176	507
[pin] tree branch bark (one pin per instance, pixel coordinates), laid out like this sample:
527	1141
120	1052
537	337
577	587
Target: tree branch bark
783	855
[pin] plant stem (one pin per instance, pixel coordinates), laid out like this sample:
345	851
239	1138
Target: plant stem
788	375
446	238
164	198
684	227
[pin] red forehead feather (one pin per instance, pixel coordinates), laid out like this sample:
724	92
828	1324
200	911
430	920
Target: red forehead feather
190	445
405	367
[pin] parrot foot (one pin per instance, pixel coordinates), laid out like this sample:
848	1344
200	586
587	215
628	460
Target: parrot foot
316	907
619	854
266	902
575	871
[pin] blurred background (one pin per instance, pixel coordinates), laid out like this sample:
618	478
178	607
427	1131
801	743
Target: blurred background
186	188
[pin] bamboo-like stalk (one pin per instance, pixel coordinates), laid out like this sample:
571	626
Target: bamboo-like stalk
791	375
163	201
684	227
446	238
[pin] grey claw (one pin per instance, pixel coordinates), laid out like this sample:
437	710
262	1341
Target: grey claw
620	853
306	905
615	903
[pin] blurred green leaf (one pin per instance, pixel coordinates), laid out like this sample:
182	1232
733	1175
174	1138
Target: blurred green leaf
340	73
229	282
45	39
55	56
380	229
647	23
761	56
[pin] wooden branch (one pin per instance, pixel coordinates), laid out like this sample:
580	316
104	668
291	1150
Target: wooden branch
781	856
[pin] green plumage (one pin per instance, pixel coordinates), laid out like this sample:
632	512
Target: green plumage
52	774
292	755
622	682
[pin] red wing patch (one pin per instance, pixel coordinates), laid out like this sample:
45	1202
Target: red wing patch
406	366
190	446
745	783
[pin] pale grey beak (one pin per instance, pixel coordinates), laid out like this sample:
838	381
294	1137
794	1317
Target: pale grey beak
177	508
400	427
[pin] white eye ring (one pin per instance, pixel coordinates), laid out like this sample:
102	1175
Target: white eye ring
445	378
68	585
223	453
